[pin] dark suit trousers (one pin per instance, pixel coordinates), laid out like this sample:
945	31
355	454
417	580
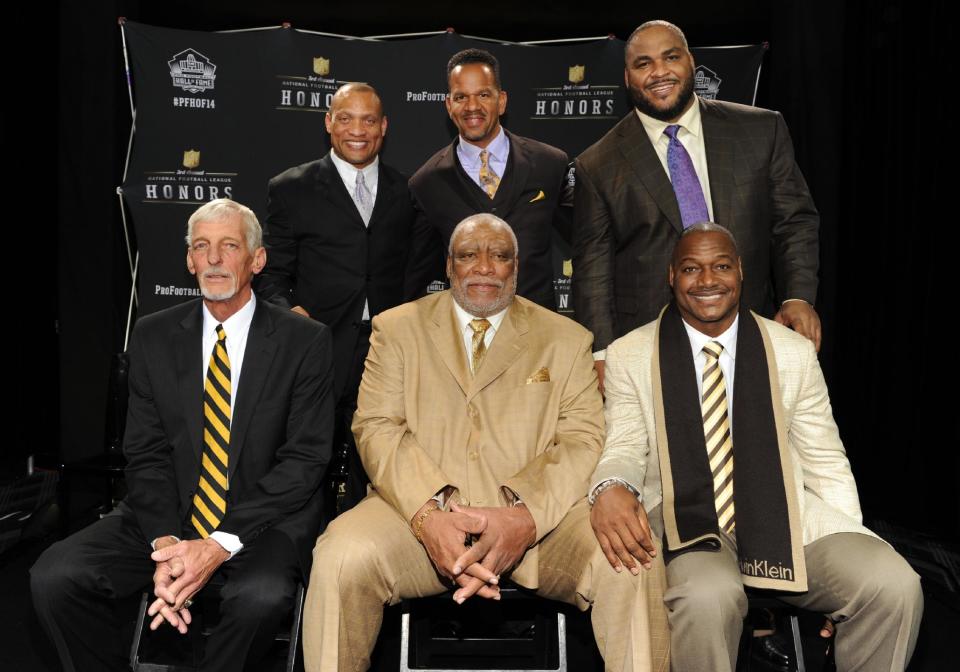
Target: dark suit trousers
347	405
76	584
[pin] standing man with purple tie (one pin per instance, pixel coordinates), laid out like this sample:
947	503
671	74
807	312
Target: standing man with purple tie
676	160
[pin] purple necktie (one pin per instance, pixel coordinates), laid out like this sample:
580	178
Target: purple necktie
686	185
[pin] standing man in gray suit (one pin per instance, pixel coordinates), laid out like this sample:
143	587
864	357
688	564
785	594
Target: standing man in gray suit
676	160
721	441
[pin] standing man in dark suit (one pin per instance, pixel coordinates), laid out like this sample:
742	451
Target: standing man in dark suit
228	435
489	169
672	162
339	235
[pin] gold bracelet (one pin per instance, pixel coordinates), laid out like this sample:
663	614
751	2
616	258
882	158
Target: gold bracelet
418	526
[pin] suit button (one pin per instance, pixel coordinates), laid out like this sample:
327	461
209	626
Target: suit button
369	232
472	411
473	455
368	278
493	209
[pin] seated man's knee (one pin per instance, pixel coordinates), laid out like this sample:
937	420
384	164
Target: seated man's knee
342	556
707	597
55	574
264	595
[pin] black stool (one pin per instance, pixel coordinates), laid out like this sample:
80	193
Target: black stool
520	631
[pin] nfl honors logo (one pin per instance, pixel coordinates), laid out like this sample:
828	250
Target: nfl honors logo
706	83
191	159
321	66
576	73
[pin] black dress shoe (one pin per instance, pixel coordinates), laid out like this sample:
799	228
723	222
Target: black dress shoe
772	652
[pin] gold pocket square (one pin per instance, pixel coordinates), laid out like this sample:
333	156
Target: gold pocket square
542	375
539	197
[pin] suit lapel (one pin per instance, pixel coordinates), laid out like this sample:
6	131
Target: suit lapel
643	160
518	170
387	190
332	188
188	346
456	178
509	341
720	163
257	360
445	334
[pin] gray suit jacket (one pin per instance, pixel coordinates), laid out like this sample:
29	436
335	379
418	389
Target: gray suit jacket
627	221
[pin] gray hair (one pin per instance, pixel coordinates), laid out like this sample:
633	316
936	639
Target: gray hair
653	24
222	208
708	227
483	218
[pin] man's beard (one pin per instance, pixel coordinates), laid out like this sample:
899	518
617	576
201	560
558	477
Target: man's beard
668	114
507	291
215	296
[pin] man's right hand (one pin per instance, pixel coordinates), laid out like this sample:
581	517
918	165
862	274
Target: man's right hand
300	310
166	573
621	526
443	535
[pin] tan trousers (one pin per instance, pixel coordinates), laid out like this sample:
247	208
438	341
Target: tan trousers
368	558
859	581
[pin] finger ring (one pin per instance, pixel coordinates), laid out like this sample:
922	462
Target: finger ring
187	603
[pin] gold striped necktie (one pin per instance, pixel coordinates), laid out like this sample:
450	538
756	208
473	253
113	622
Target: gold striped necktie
210	500
716	430
479	327
489	180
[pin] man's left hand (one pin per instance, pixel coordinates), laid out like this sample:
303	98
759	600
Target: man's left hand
510	531
200	559
802	318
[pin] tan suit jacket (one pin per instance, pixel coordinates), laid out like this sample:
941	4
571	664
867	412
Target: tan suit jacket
825	489
424	423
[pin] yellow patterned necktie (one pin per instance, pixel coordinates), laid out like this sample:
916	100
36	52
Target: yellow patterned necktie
716	431
210	501
489	180
479	327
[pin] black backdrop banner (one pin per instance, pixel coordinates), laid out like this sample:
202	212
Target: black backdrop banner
219	114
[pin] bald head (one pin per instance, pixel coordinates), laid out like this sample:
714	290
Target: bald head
347	90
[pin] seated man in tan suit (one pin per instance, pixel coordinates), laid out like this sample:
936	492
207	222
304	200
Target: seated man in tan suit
748	483
478	420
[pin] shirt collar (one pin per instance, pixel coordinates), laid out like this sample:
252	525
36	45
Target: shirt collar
469	154
464	318
728	339
237	323
688	121
348	172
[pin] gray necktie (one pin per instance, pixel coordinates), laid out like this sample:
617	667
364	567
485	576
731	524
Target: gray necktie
363	198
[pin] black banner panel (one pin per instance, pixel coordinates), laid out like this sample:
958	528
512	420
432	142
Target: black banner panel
219	114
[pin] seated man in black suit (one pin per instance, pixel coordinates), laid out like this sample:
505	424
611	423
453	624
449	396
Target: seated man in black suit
489	169
228	435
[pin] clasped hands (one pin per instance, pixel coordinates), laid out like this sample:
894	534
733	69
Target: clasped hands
183	568
498	536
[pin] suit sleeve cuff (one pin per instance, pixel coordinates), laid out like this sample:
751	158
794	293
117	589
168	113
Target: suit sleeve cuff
230	542
600	355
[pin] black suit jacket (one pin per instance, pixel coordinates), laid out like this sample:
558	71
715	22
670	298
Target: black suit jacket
532	198
322	257
627	221
280	434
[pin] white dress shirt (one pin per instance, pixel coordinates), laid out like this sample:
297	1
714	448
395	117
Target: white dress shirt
236	327
690	136
371	177
466	331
